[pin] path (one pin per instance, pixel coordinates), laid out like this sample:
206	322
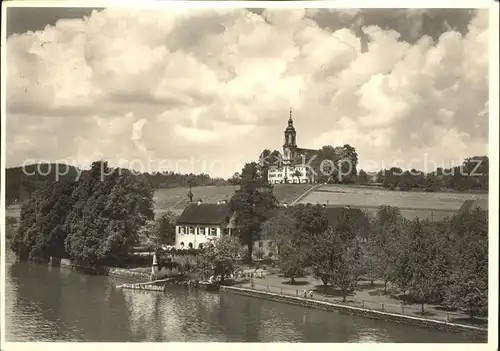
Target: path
305	193
366	296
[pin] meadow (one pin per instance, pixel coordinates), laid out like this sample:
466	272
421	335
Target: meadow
433	206
175	199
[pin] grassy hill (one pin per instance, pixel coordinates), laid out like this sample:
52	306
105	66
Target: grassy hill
434	206
21	182
175	199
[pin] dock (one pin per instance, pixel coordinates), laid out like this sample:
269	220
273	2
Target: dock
155	285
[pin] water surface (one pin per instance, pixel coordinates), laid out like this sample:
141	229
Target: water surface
58	304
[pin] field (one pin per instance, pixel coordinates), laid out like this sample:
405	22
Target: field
434	206
175	199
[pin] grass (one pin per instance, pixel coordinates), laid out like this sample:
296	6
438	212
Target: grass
435	206
176	198
365	295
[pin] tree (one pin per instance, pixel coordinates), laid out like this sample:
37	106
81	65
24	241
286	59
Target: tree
159	231
362	177
252	203
323	256
468	288
431	182
166	227
310	219
291	260
41	233
348	164
149	235
282	230
399	266
324	163
268	159
220	260
297	174
235	179
348	266
111	205
335	254
426	258
385	243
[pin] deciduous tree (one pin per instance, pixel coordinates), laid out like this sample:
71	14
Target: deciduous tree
252	203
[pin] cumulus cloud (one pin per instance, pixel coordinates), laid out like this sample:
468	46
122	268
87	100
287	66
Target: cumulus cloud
215	86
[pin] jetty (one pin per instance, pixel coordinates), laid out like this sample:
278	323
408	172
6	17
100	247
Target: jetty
155	285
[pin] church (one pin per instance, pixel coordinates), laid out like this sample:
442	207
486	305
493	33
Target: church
293	166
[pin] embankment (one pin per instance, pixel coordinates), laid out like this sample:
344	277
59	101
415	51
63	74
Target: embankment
392	317
114	272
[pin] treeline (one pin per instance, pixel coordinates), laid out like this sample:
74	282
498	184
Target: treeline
472	174
174	180
330	164
339	165
94	221
442	263
21	182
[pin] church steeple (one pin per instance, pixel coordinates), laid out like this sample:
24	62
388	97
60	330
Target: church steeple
290	143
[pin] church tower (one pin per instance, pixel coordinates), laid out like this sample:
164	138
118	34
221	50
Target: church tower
290	145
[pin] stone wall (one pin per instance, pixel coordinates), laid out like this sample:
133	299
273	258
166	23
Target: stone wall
111	271
421	322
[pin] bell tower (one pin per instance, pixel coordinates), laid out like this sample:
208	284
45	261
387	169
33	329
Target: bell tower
290	145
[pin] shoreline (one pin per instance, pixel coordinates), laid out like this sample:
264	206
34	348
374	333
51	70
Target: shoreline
364	312
420	322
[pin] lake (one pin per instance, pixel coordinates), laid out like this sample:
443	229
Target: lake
46	303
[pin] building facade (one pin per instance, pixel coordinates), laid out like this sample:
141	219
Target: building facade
201	224
294	166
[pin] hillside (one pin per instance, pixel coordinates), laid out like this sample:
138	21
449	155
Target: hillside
176	198
433	206
21	182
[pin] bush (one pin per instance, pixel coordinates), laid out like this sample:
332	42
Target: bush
259	254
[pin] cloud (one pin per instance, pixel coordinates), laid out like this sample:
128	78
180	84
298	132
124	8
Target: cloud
216	86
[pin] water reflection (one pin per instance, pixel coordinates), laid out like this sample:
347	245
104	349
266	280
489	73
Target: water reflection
57	304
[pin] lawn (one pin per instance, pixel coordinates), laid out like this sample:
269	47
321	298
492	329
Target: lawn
412	204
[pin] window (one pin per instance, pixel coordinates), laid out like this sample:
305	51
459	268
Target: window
213	231
182	230
191	230
202	230
226	231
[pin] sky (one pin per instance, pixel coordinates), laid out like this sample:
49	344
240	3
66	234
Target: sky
206	90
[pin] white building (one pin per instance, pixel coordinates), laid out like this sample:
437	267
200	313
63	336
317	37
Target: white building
294	166
201	224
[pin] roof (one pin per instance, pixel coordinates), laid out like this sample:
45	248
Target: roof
306	151
472	204
334	214
202	213
303	153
